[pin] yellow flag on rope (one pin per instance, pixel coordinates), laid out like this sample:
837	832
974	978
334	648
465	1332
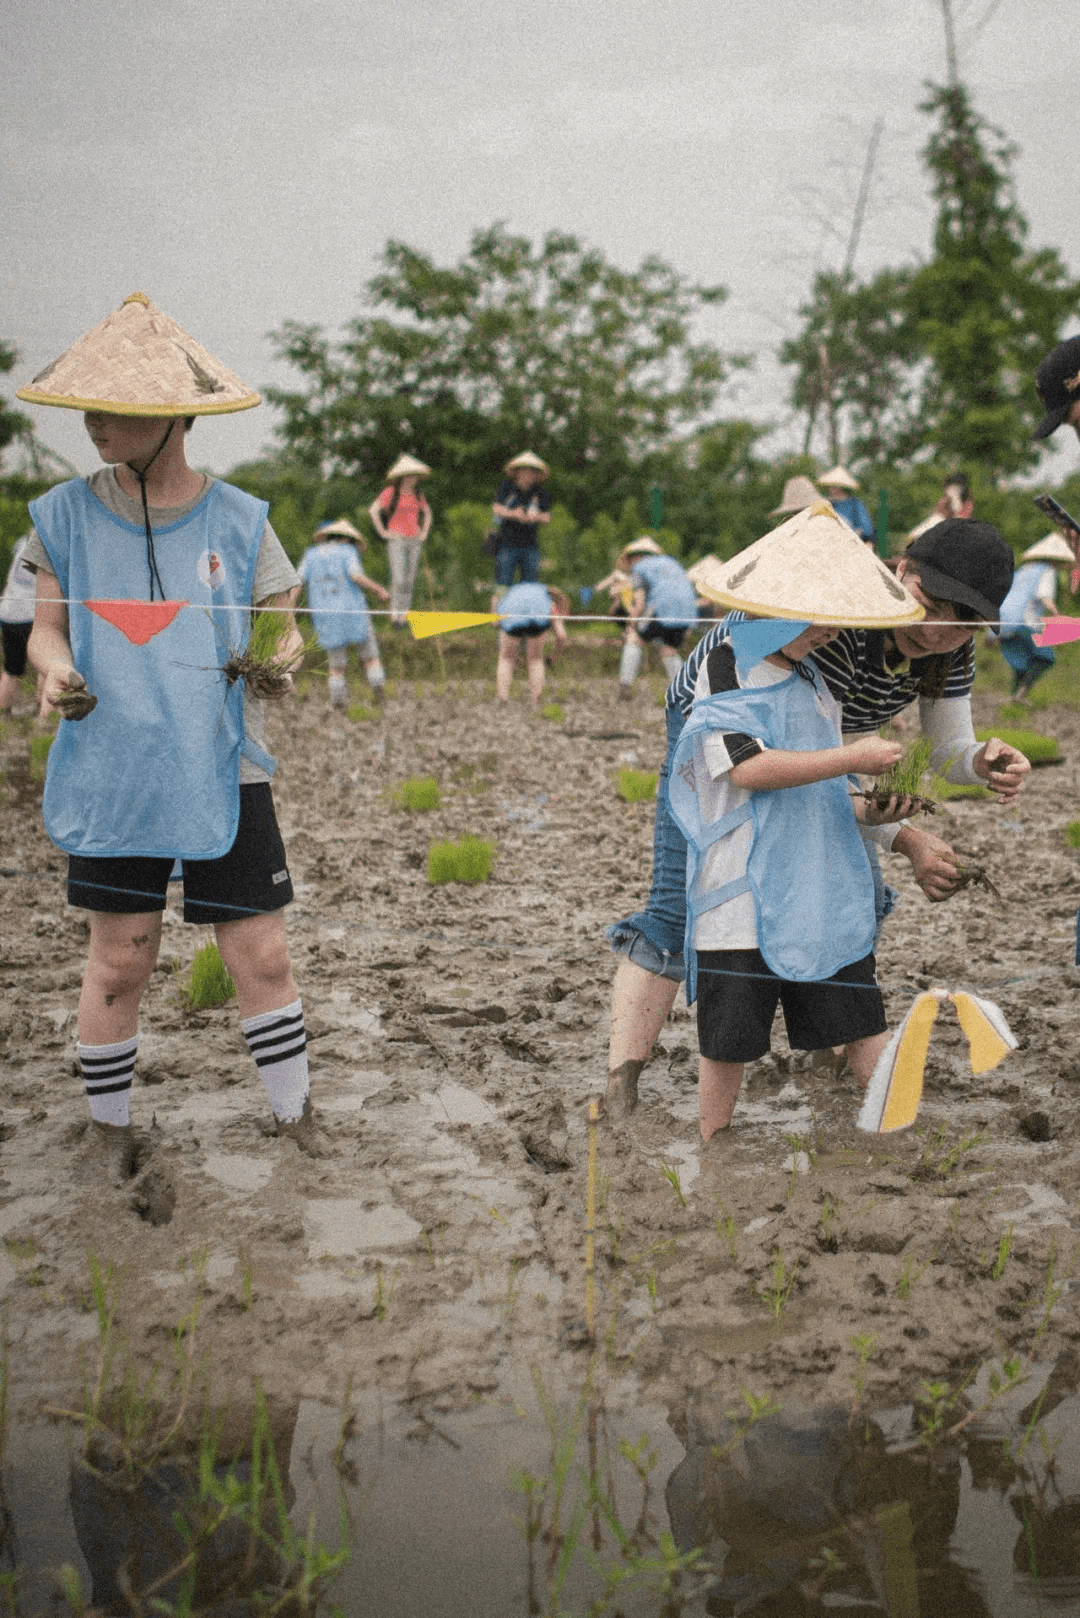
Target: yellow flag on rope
424	624
896	1085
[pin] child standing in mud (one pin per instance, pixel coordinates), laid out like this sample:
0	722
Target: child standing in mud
146	574
529	611
780	895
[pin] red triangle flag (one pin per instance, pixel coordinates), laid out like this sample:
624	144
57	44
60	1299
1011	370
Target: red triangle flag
140	621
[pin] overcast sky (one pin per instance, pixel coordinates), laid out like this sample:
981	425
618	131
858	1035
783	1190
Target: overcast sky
244	161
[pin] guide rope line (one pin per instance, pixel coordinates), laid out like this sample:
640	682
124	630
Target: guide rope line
711	971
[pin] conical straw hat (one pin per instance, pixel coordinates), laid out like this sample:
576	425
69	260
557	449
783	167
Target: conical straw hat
341	529
838	477
138	362
798	494
1051	548
529	460
645	546
706	563
407	466
815	569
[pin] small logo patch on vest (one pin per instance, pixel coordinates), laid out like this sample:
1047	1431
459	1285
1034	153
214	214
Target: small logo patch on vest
279	877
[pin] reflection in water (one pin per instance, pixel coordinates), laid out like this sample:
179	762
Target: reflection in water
499	1513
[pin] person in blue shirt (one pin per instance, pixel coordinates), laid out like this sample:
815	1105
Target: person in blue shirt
147	575
331	571
843	494
663	607
1022	612
528	611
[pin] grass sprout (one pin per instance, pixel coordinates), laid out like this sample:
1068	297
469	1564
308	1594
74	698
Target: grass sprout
1036	748
636	786
466	861
1072	834
553	711
207	982
419	794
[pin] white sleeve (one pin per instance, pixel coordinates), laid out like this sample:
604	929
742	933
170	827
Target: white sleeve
946	722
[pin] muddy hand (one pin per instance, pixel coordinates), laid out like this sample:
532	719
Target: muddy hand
74	701
1002	767
885	812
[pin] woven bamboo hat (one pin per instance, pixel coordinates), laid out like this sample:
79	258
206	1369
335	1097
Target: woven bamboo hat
138	362
798	494
838	477
407	466
529	461
704	564
341	529
1052	548
645	546
813	569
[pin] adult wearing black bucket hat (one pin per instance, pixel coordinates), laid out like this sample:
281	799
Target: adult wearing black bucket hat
1058	382
960	571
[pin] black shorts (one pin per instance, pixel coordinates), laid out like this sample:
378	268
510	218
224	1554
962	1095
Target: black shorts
15	637
735	1013
249	880
672	635
528	631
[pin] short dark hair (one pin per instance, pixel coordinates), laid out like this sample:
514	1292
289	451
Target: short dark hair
189	422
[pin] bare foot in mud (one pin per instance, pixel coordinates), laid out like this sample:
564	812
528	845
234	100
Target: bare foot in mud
622	1094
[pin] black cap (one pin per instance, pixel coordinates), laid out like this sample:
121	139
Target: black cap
964	562
1058	382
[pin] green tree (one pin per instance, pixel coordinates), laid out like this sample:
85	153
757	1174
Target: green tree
987	307
592	366
13	424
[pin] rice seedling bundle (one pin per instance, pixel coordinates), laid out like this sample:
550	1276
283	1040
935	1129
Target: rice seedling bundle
466	861
419	794
260	665
554	712
636	786
905	780
208	983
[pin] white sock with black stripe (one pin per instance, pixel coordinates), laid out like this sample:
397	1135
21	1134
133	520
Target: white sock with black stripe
107	1071
277	1041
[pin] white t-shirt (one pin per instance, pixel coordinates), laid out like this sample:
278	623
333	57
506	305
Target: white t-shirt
20	591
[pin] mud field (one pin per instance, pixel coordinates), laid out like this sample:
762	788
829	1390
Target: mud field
457	1035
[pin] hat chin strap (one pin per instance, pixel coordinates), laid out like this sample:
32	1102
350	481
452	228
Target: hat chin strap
151	555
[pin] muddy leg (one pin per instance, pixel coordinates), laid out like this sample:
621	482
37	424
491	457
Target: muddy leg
640	1003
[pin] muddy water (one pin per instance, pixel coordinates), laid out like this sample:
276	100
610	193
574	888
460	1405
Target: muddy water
552	1506
456	1037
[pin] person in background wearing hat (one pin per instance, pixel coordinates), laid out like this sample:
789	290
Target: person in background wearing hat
522	506
956	498
402	517
1024	608
528	612
662	609
842	492
960	572
799	492
780	895
331	571
146	575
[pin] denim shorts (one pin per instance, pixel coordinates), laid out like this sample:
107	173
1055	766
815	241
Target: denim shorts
653	938
510	558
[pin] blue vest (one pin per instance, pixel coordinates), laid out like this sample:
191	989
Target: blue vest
527	606
339	612
807	869
669	595
155	768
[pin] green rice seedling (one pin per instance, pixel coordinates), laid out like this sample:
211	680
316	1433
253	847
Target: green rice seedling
39	755
554	712
671	1175
953	792
905	780
513	1287
1004	1249
782	1278
863	1345
724	1225
636	786
756	1409
909	1274
259	663
933	1404
360	714
827	1237
384	1293
1036	748
1072	834
419	794
466	861
937	1160
207	982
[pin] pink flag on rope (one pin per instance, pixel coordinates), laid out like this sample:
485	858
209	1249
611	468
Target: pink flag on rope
140	621
1057	631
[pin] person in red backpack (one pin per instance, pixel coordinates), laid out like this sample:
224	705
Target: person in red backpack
402	517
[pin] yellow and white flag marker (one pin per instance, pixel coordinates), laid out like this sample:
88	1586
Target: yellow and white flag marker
896	1085
424	624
